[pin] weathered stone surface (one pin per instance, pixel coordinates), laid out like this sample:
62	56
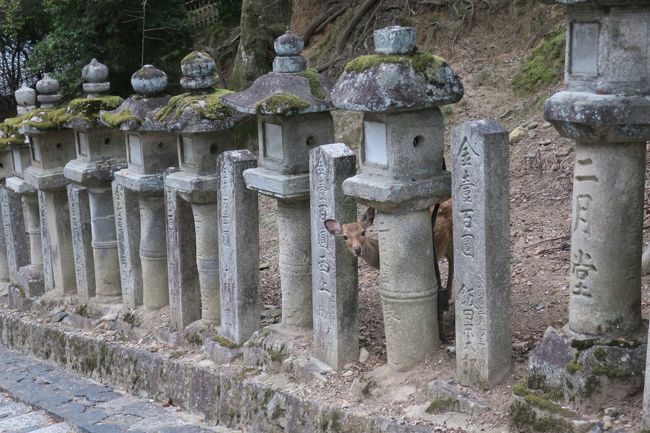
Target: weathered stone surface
127	224
481	219
334	269
46	257
81	241
153	251
238	230
15	234
277	185
56	213
184	288
590	372
294	234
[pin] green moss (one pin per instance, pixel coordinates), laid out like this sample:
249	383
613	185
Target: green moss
526	420
10	126
114	120
583	344
48	118
83	310
281	103
14	140
194	339
194	55
423	63
573	367
441	405
520	389
225	342
547	405
208	105
611	371
544	66
92	106
276	355
600	353
314	84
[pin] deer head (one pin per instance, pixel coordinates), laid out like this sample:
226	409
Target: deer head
354	234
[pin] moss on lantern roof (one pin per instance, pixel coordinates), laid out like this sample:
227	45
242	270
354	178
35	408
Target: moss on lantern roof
13	140
314	83
423	63
281	103
207	105
11	125
48	118
115	119
88	108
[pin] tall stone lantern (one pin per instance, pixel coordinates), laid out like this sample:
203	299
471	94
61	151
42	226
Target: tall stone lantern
400	92
138	191
99	152
204	129
19	206
293	107
605	109
51	146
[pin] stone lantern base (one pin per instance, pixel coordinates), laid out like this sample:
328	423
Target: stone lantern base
585	372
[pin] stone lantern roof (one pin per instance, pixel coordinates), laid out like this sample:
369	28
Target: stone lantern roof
396	77
138	111
289	89
199	109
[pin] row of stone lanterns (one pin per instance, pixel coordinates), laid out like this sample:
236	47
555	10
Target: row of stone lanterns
119	253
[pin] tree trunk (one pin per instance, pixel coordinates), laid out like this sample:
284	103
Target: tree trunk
261	22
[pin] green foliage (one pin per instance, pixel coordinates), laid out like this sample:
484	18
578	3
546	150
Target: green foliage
111	31
544	66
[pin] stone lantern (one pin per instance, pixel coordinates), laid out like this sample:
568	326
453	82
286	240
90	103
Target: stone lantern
293	107
400	92
604	108
51	146
99	152
25	99
20	218
138	192
204	129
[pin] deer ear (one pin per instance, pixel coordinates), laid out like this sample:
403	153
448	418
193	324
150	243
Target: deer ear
333	227
368	218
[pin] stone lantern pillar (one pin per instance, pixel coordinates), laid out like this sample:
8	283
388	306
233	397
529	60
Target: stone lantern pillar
138	193
401	176
604	108
100	152
293	106
204	130
51	146
21	232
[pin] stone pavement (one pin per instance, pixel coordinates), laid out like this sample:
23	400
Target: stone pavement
38	395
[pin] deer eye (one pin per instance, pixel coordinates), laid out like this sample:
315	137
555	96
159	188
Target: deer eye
363	233
345	237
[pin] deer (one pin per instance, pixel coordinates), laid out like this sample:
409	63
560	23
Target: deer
366	245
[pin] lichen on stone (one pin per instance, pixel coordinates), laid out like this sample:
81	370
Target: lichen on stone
314	83
281	103
194	55
114	120
207	105
223	341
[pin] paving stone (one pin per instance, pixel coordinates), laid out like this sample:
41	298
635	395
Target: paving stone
10	409
21	422
55	428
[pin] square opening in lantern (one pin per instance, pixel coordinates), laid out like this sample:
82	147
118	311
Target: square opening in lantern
273	141
82	144
135	150
35	148
375	151
584	48
187	151
16	160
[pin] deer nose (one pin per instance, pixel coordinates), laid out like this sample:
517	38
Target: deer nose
357	251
